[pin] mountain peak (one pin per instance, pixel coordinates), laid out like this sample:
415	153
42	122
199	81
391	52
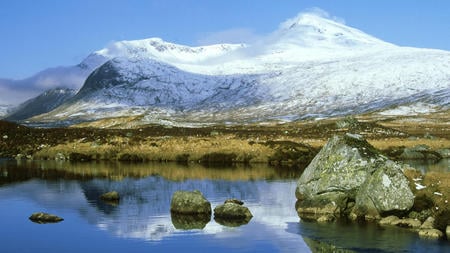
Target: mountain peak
314	29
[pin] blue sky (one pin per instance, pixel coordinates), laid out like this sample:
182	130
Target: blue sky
46	33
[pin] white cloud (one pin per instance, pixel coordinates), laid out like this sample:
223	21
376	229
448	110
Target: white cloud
312	11
14	96
234	36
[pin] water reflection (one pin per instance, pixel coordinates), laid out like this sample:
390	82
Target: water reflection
425	166
73	192
188	222
12	170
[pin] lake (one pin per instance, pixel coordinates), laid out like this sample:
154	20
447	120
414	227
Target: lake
141	222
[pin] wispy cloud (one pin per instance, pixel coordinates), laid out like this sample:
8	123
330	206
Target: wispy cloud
312	11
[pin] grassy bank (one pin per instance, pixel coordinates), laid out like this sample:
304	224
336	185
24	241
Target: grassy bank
286	144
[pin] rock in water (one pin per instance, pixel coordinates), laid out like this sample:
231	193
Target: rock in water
190	221
232	213
386	191
343	174
110	196
186	202
431	233
45	218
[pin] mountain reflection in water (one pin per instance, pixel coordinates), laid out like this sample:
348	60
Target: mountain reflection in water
141	221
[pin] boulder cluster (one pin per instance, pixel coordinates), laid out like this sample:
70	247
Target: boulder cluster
350	179
191	210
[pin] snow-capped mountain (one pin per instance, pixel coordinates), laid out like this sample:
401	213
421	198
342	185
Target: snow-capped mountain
43	103
310	67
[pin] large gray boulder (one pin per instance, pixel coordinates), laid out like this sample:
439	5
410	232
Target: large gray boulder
386	191
332	183
186	202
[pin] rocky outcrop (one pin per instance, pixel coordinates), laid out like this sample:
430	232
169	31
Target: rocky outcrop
186	202
45	218
349	176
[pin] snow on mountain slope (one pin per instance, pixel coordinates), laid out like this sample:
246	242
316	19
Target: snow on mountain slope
310	67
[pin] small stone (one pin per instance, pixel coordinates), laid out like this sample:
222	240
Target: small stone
110	196
408	223
428	223
431	233
43	218
390	220
447	232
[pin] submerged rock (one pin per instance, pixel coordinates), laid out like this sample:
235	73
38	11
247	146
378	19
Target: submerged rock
110	196
43	218
349	176
431	233
186	202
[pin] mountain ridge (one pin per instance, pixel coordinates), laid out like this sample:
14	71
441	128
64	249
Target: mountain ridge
310	67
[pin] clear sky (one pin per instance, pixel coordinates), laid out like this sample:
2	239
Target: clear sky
37	34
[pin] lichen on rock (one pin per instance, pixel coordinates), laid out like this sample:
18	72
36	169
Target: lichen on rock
349	176
43	218
189	202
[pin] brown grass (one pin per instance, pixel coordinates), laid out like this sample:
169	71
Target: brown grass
387	143
164	148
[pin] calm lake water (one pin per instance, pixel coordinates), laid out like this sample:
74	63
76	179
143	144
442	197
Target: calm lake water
141	222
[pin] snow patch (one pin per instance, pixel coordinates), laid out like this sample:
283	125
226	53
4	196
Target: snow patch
419	186
412	110
386	181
